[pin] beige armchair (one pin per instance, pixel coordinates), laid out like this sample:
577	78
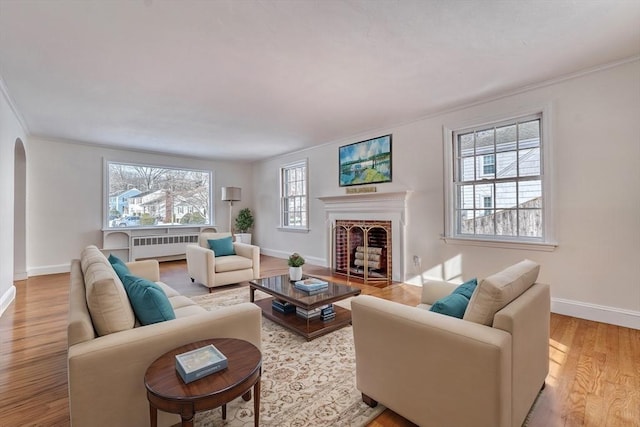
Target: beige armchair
204	267
437	370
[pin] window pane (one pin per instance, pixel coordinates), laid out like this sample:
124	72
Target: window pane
529	162
467	170
465	221
484	141
506	138
507	166
529	193
529	134
466	197
506	223
145	196
465	144
484	224
506	195
530	222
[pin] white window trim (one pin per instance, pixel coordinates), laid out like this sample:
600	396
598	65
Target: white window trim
281	226
548	242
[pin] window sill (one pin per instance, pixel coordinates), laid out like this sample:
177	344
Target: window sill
528	246
293	230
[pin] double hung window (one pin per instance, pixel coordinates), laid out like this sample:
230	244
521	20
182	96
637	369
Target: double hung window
497	187
293	196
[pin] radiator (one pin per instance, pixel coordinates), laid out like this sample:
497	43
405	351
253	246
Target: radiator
161	246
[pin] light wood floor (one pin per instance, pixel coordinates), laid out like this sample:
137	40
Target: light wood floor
594	377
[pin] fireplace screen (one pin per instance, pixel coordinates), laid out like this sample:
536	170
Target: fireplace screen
362	249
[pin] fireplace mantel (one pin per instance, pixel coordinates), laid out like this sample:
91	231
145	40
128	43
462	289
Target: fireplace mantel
389	206
393	201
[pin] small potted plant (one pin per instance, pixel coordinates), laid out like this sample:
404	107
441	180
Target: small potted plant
295	263
244	222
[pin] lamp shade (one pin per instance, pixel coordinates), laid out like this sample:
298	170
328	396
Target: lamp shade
231	194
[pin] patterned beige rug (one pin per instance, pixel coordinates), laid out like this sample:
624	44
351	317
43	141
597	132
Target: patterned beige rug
303	383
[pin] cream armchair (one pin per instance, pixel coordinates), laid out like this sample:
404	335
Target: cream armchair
437	370
204	267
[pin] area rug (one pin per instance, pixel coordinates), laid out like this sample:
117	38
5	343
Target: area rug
303	383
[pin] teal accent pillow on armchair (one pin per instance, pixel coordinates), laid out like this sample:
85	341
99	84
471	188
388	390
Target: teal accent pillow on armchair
149	302
222	247
455	304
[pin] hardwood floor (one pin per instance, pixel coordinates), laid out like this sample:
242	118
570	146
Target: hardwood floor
594	375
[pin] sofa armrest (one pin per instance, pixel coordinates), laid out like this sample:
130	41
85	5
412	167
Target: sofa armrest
148	269
425	365
106	375
252	252
433	290
201	264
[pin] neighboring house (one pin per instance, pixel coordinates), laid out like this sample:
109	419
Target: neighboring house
120	201
151	202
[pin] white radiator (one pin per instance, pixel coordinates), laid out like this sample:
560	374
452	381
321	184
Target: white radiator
161	246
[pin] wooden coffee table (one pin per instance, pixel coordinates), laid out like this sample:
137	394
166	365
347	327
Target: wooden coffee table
281	288
166	390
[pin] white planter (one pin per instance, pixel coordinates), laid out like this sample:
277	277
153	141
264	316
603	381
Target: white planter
295	273
243	238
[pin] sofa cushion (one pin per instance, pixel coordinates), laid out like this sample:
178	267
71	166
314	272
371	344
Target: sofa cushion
498	290
222	247
149	301
232	263
114	260
106	298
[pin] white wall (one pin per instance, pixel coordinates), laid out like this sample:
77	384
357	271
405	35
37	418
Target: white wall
10	131
65	192
594	272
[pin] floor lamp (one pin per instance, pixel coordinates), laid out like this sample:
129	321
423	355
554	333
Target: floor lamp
231	194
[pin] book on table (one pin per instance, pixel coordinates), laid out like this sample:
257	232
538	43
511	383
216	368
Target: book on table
199	363
283	306
312	313
311	284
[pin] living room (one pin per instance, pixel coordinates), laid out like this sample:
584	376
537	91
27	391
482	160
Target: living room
589	255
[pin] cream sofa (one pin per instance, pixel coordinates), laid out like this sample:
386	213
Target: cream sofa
108	352
484	370
204	267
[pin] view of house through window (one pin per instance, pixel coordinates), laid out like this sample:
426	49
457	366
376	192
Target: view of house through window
498	180
145	196
293	195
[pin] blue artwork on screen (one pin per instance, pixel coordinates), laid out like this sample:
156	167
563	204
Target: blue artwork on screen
366	162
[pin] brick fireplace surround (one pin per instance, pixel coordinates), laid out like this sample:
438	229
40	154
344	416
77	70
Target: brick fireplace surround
389	208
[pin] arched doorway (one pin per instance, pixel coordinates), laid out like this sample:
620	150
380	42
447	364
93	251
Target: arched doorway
19	212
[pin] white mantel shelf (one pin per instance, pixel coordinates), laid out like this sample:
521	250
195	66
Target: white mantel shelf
345	200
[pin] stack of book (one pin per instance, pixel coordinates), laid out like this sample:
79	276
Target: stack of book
327	313
314	313
311	285
282	306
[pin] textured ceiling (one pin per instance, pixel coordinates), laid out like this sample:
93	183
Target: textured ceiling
252	79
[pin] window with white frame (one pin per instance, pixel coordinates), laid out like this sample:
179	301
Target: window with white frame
293	196
148	196
497	182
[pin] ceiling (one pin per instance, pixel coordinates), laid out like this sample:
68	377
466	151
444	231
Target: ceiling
246	80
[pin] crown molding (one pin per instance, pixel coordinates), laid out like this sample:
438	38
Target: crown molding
12	105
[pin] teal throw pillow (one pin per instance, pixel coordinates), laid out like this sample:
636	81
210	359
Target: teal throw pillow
222	247
452	305
467	288
119	266
149	302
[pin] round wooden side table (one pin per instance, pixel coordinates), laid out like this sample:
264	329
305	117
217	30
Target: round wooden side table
166	390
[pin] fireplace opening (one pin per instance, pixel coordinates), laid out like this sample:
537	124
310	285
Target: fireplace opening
362	250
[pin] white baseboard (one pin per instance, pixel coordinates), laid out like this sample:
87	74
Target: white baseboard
49	269
20	276
7	298
597	313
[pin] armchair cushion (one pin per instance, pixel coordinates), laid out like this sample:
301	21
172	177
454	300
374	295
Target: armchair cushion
232	263
222	247
149	301
496	291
